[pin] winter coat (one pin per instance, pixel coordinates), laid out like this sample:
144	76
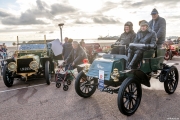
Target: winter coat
67	47
159	28
126	38
77	56
146	37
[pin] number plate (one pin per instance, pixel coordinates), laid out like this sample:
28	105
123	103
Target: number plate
101	80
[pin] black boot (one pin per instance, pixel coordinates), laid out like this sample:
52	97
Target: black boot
134	62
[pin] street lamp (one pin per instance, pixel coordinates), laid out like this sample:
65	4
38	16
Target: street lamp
60	26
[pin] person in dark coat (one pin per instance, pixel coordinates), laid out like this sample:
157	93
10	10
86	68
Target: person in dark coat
67	47
77	55
158	24
125	38
146	37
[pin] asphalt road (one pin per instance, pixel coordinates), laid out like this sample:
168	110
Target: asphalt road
34	100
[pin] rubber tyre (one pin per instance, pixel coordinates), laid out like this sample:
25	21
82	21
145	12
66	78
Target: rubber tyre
169	80
78	89
167	55
47	73
65	87
6	77
121	96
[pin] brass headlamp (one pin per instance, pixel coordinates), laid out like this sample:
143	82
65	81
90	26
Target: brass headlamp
115	75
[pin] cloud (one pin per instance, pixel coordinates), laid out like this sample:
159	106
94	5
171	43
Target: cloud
105	20
61	9
4	14
26	18
80	22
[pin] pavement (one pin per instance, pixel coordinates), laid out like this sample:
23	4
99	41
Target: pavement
34	100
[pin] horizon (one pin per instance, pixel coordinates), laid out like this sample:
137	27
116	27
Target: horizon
90	19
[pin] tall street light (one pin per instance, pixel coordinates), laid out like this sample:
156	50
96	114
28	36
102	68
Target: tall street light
61	26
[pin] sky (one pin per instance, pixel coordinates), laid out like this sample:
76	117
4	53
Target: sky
83	19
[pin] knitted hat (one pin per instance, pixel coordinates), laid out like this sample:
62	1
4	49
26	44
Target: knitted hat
154	11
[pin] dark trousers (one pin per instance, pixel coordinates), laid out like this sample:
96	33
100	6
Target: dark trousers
118	50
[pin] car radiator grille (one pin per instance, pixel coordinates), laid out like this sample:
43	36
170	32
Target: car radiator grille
23	65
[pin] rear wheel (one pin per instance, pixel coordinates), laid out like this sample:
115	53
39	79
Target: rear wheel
129	96
85	86
167	55
172	78
7	77
47	72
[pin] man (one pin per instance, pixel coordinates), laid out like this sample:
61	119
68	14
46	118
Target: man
65	39
125	38
145	37
67	47
77	56
158	24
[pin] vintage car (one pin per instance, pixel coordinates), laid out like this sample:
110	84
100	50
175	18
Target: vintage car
109	74
172	49
33	59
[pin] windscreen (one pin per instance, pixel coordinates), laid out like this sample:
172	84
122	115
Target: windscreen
32	47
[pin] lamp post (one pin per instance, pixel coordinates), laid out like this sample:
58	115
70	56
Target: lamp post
60	26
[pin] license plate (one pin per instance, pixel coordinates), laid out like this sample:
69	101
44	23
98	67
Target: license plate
101	80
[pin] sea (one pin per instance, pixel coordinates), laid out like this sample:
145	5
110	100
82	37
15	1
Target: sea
10	43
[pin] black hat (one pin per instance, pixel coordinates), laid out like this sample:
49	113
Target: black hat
154	11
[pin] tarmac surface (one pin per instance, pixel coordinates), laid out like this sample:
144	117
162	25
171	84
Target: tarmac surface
34	100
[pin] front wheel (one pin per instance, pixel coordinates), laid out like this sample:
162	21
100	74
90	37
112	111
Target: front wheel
47	72
129	96
7	77
172	78
85	86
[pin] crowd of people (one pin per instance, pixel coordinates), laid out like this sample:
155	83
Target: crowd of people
150	34
73	53
3	51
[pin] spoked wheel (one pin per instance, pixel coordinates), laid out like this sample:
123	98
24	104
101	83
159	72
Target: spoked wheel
167	55
8	80
129	96
172	78
47	72
85	86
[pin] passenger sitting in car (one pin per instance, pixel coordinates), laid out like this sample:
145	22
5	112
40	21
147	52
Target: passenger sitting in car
125	38
145	36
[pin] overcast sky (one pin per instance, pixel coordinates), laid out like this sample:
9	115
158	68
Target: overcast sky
31	19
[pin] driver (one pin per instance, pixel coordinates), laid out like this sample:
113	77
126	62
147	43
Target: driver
146	37
125	38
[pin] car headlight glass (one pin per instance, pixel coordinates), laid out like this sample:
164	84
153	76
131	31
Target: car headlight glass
12	66
34	65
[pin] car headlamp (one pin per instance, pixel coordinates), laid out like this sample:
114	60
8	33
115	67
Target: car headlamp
12	66
86	68
115	75
34	65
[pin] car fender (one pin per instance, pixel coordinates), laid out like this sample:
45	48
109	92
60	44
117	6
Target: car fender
140	76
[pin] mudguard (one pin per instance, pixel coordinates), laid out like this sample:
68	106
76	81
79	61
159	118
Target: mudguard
140	75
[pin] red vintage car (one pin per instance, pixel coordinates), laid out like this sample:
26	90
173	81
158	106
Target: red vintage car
172	49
